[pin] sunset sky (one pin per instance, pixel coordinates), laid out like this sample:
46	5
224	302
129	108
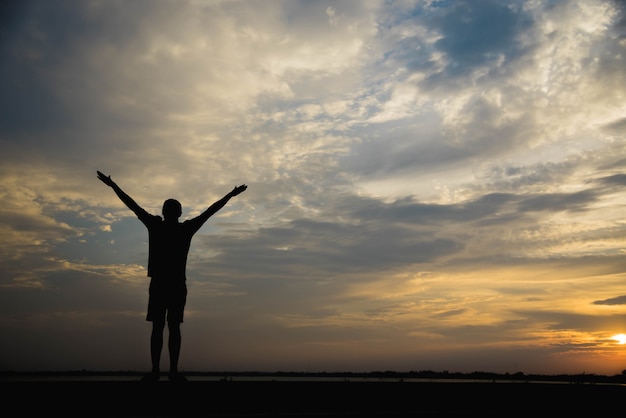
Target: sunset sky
432	185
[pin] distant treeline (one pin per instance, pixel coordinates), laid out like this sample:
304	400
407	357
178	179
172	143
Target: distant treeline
388	375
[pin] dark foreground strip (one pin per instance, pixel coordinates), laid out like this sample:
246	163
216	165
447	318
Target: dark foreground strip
312	399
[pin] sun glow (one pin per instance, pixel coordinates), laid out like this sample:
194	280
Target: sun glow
620	338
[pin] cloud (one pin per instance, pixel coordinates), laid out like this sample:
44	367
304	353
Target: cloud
619	300
616	179
425	179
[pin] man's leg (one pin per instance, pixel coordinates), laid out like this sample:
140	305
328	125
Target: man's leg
175	315
156	344
174	346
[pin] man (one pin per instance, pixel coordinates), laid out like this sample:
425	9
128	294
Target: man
168	245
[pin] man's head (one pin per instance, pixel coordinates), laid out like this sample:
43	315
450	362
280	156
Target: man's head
172	209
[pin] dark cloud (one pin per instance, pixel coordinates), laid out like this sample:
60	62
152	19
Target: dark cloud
379	236
556	202
619	300
566	321
617	125
331	248
614	180
481	208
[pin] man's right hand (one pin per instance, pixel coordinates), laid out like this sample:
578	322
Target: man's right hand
106	179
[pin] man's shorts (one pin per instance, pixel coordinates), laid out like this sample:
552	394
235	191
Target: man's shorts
167	300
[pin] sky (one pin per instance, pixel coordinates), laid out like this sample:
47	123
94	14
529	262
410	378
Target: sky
432	185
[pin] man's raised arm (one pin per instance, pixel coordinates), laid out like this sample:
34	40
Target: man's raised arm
128	201
211	210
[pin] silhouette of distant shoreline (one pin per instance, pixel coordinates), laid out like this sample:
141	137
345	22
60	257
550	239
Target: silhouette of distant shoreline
424	375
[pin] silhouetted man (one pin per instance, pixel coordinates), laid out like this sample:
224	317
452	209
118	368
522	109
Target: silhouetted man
169	242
